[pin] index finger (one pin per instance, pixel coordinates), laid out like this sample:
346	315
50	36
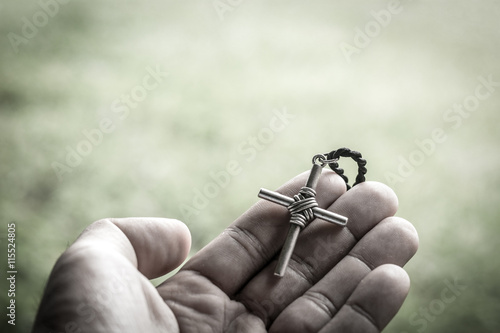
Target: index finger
254	239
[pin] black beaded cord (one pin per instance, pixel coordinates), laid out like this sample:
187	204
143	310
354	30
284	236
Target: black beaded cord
356	156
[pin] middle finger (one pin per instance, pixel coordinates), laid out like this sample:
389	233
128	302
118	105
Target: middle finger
320	246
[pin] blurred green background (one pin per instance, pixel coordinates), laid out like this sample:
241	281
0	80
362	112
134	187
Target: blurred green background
347	79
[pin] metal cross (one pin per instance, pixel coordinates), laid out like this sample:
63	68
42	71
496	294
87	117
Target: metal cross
303	209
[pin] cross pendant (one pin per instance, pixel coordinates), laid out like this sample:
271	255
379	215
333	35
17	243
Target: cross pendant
303	209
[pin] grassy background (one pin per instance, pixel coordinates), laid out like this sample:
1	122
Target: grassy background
226	77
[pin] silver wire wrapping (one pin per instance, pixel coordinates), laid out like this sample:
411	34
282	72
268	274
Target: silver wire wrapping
301	212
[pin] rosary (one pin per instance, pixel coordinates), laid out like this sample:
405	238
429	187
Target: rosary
303	207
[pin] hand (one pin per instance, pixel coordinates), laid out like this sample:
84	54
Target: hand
338	280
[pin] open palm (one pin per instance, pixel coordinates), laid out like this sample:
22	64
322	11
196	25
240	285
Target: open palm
338	280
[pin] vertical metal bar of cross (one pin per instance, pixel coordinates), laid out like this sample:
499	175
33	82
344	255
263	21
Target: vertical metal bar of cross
294	229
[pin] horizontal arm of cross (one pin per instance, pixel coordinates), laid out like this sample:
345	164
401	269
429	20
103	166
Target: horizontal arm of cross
320	213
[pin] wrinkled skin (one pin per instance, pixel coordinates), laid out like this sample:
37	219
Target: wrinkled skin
338	280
